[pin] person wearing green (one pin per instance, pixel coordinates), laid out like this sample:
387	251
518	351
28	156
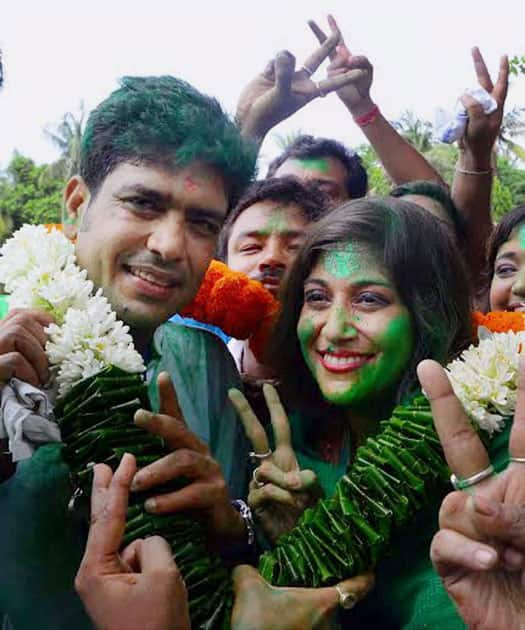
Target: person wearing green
161	164
377	288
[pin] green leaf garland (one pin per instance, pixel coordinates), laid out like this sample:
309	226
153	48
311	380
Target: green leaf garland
391	477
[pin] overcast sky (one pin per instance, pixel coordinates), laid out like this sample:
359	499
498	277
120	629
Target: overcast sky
58	52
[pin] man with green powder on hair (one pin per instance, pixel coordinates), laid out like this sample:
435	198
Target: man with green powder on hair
161	165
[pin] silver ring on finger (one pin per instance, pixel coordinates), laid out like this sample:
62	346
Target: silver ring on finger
517	460
320	90
258	484
256	458
462	483
308	70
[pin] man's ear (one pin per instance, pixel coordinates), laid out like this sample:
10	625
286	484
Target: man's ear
76	201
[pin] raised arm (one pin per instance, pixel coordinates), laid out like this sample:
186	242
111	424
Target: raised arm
401	160
472	185
281	90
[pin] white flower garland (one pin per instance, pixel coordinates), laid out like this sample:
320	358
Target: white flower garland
485	378
38	268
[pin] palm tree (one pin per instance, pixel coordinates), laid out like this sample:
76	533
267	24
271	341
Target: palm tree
66	136
282	140
513	125
415	130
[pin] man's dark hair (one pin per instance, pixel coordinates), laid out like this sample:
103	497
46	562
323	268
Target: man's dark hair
425	267
440	195
306	147
167	122
312	202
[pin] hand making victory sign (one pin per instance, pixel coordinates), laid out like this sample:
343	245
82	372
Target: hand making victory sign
479	551
280	90
356	94
279	490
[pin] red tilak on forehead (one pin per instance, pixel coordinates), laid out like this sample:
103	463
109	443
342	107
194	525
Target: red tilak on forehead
190	184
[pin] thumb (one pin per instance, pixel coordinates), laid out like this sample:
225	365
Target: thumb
245	577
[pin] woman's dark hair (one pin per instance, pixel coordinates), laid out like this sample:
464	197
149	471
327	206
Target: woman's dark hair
424	265
501	234
311	201
437	193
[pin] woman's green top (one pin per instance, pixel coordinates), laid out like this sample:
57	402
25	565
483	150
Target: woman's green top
408	593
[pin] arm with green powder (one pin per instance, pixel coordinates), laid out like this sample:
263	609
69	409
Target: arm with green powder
402	162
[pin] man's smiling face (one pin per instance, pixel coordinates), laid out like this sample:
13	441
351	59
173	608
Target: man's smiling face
147	236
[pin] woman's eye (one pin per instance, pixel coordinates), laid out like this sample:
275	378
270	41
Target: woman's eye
316	297
369	298
505	270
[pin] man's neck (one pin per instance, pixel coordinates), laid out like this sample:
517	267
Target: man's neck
141	340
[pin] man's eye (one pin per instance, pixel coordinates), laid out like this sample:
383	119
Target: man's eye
205	226
252	248
140	203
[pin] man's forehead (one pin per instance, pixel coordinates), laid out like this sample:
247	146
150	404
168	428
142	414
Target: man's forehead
196	178
321	167
267	217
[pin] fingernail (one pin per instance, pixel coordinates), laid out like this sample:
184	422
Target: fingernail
150	505
136	483
294	479
484	557
142	417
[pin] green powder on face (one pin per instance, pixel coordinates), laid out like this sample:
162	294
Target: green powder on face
521	235
341	263
315	164
305	332
395	347
277	223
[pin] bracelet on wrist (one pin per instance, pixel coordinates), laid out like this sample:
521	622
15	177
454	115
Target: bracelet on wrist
368	118
464	171
246	515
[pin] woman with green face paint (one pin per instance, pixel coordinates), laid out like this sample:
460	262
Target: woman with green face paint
378	287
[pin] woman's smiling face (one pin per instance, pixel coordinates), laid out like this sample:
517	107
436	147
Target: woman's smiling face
355	333
507	288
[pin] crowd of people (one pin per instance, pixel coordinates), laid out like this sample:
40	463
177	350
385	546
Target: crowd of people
376	296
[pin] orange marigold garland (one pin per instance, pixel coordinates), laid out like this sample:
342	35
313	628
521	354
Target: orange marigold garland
499	321
239	306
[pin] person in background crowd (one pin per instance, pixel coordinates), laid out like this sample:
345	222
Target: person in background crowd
506	263
280	90
261	238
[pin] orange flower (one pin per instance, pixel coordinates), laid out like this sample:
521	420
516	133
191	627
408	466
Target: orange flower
499	321
241	307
